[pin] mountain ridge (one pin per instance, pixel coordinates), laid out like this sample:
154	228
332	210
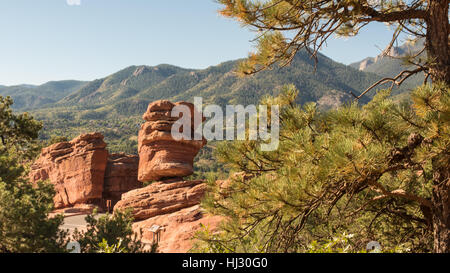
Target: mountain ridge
139	83
392	64
114	104
29	97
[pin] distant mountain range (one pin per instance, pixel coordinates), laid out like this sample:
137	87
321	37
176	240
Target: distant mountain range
31	96
129	91
113	105
392	64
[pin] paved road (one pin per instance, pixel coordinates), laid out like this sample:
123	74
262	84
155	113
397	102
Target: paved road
77	221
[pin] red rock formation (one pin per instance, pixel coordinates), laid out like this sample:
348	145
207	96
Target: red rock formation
160	155
120	176
76	168
173	205
162	198
179	228
83	174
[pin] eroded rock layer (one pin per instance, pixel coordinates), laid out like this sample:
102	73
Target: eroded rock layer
162	198
179	228
172	205
76	168
161	156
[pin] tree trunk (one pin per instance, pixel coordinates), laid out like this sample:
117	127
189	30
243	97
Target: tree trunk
438	49
441	208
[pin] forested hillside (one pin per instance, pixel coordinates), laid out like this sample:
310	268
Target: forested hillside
113	105
394	63
28	97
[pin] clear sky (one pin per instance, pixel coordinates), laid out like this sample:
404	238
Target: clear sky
44	40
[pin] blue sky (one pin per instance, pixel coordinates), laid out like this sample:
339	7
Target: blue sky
43	40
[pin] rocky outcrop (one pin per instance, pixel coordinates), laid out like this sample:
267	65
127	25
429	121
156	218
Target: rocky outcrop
179	228
83	173
161	156
76	168
162	198
173	205
120	176
332	100
365	63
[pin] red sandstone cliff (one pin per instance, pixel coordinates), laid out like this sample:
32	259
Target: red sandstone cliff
76	168
84	173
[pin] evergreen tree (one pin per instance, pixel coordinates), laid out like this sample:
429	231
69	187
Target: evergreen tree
287	26
379	172
24	208
110	233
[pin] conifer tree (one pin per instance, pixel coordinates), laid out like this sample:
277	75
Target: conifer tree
24	208
286	26
379	172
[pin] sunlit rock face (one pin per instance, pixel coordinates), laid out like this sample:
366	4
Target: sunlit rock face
160	155
173	205
162	198
169	202
83	172
76	169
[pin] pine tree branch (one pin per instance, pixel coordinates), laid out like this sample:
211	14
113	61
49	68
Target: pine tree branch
398	193
397	80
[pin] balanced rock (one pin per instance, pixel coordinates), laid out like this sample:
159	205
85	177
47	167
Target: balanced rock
76	168
120	176
161	156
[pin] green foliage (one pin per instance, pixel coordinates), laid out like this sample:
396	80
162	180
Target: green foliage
338	244
114	105
208	242
18	134
104	247
363	170
27	97
342	243
56	139
109	232
25	225
24	222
